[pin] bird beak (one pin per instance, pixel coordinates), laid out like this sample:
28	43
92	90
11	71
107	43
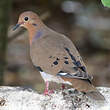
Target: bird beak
16	26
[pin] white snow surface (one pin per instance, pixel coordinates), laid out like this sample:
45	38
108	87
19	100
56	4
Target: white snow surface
18	98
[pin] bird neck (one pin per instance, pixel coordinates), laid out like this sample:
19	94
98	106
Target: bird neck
35	33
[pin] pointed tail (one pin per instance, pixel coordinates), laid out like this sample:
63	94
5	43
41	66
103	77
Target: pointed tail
96	95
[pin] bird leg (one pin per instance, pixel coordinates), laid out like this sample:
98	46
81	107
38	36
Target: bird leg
63	86
47	91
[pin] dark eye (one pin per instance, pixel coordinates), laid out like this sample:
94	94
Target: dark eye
26	18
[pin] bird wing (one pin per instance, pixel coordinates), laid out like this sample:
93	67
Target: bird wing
78	67
56	54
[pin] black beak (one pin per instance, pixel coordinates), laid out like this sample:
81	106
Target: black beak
16	26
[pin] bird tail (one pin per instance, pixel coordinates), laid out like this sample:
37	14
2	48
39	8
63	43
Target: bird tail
85	87
96	95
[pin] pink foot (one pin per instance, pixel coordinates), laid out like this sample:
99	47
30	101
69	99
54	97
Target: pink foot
63	86
47	91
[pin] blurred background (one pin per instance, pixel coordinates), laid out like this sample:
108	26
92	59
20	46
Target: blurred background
85	22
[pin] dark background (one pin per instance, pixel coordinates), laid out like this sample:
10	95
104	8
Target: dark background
85	22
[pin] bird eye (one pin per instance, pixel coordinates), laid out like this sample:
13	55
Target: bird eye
26	18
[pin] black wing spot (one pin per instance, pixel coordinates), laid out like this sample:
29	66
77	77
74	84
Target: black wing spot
61	71
55	62
65	57
66	62
83	68
57	59
78	63
75	62
72	57
75	68
39	68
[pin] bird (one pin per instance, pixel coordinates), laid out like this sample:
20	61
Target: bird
56	58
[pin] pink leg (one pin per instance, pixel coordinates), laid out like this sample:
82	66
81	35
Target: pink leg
63	86
47	91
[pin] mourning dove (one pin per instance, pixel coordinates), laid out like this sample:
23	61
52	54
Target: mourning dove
55	56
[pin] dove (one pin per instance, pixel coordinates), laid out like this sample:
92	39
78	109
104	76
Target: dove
55	56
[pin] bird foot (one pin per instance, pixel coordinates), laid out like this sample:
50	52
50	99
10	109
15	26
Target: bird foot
63	86
48	92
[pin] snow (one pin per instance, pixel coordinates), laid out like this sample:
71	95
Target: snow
18	98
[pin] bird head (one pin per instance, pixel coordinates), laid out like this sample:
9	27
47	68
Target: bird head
28	20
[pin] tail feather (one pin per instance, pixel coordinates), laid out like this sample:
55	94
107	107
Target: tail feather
85	87
96	95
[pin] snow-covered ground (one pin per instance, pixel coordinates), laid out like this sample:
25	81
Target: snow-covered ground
17	98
